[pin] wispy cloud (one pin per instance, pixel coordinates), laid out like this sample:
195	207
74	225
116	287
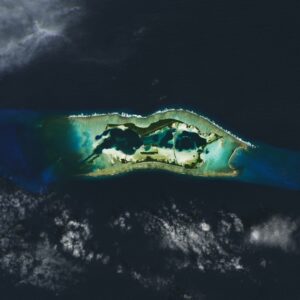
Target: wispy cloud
31	27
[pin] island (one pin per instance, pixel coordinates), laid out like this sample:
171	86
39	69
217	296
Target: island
40	149
174	140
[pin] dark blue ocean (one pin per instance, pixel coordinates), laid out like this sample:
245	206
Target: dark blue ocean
157	235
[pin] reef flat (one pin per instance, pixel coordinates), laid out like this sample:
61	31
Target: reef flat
174	140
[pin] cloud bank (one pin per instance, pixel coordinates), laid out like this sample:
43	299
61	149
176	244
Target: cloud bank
31	27
276	232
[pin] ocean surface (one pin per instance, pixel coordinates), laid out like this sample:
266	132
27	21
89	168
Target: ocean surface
154	235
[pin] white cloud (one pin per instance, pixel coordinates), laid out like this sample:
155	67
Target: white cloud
31	261
30	27
74	239
197	238
276	232
45	267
